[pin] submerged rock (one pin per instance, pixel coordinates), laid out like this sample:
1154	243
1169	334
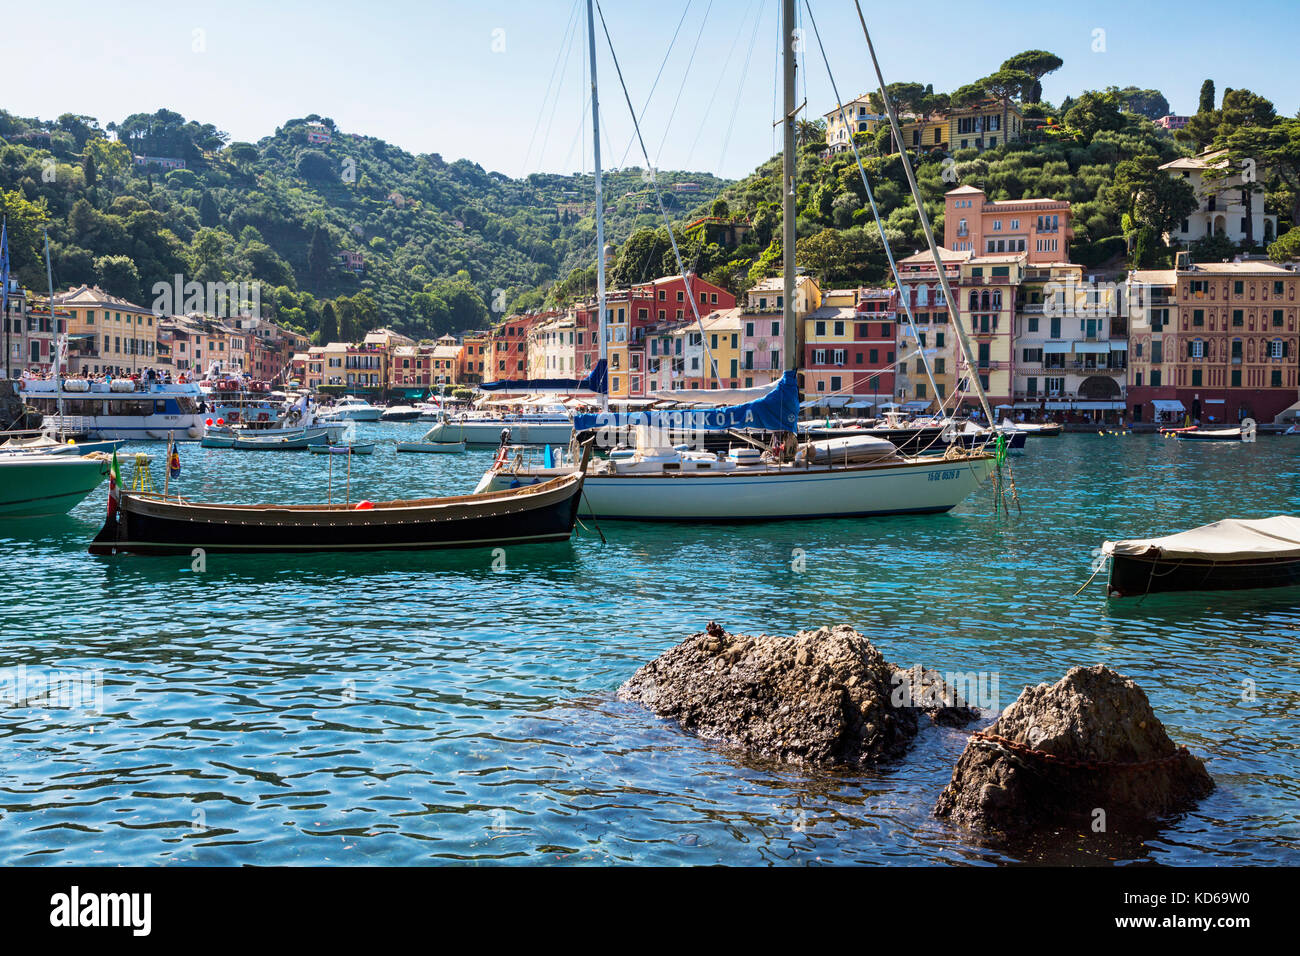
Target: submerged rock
1086	752
820	697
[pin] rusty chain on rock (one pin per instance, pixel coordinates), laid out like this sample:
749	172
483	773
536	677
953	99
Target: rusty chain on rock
1014	748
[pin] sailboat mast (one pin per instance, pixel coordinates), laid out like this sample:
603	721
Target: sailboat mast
54	327
788	39
600	208
953	304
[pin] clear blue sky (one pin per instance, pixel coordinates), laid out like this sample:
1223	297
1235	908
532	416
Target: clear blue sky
425	75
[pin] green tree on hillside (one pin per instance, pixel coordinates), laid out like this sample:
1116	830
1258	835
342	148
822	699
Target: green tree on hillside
118	275
1153	198
1206	103
1149	103
1036	63
1094	112
1005	85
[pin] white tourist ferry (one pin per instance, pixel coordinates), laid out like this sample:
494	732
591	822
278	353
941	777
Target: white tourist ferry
118	409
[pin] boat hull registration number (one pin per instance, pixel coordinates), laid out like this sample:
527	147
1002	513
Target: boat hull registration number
947	475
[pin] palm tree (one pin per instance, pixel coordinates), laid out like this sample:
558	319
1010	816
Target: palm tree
809	131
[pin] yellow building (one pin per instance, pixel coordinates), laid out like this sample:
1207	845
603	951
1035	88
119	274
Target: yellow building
862	118
107	333
925	132
986	309
722	333
979	125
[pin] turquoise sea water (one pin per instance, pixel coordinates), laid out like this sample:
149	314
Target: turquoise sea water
431	708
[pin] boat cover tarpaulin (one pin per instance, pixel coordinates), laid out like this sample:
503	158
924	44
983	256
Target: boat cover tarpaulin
778	410
596	381
1229	540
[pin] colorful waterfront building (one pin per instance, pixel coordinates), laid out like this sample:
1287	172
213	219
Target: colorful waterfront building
473	357
1071	343
1214	342
934	339
849	348
552	348
107	333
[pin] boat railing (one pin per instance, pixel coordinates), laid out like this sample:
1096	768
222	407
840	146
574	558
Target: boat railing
70	424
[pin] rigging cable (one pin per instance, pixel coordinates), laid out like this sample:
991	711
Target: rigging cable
739	90
655	84
557	70
925	220
875	210
685	75
713	95
677	256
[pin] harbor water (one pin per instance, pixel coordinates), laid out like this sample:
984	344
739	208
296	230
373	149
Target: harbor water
425	708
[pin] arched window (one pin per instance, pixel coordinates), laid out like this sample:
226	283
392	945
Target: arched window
1277	349
997	299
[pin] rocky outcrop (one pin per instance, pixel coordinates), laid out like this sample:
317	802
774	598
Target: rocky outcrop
820	697
14	415
1087	750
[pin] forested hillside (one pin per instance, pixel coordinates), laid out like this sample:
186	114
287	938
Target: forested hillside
1100	151
443	244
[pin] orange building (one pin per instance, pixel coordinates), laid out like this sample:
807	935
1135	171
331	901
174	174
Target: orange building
1038	228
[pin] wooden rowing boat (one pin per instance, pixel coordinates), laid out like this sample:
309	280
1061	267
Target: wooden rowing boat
154	524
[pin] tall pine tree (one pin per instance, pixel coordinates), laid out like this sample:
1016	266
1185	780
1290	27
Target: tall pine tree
1207	97
318	255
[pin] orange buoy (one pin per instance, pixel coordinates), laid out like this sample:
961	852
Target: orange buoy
364	505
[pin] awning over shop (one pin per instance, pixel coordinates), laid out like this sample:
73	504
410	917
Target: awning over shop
1167	405
1091	348
1117	345
1099	406
1056	348
830	401
914	406
860	403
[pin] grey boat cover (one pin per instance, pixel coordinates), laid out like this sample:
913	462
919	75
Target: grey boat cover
1229	540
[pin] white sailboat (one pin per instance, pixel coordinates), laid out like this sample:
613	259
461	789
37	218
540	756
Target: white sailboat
788	480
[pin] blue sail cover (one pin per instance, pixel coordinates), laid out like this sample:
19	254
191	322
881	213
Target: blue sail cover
596	381
777	411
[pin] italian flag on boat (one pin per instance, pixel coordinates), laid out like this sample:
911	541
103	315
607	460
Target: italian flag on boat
114	484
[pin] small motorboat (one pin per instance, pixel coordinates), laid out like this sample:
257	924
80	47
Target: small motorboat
1043	430
344	448
285	443
399	413
442	447
1227	555
1244	432
35	485
156	524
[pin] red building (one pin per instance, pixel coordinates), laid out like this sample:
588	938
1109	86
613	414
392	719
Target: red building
507	350
849	350
630	314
